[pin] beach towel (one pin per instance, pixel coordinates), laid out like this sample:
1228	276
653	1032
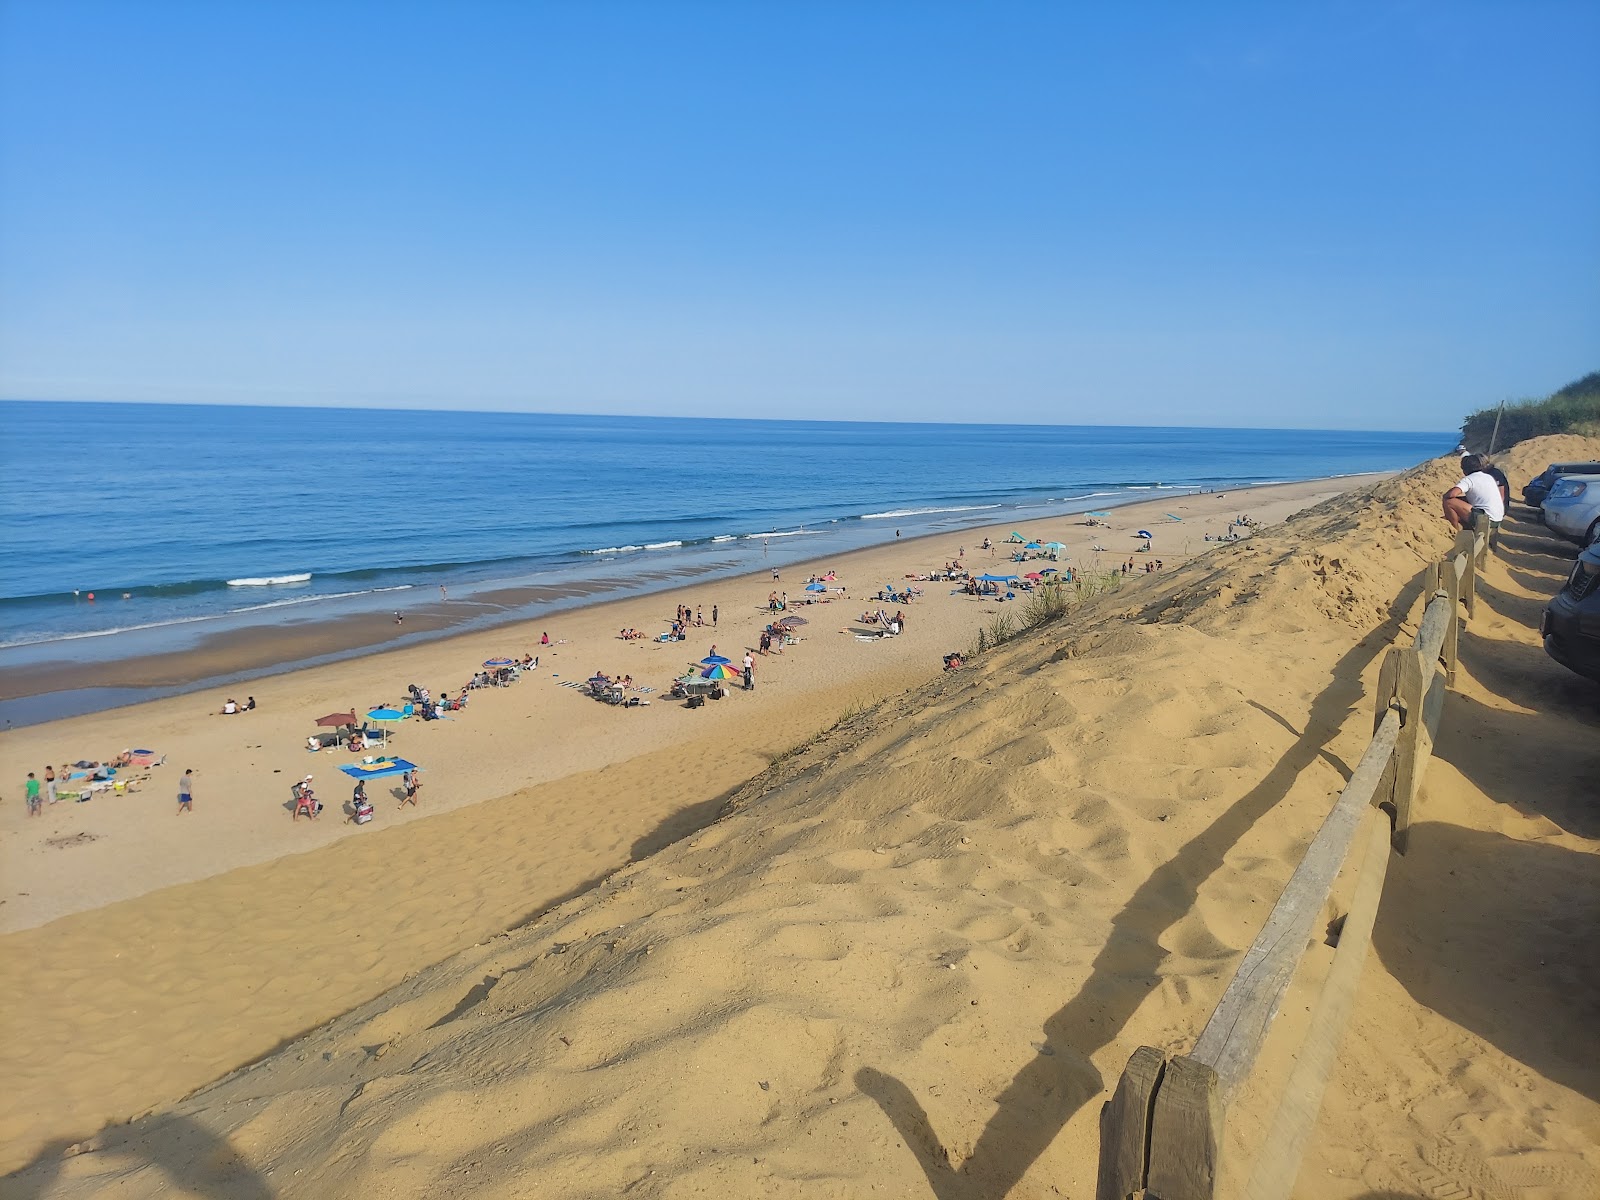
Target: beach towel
394	766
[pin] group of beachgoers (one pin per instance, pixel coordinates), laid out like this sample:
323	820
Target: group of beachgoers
231	707
1150	565
80	780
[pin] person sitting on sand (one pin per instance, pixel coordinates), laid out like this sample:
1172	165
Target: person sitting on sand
229	708
250	704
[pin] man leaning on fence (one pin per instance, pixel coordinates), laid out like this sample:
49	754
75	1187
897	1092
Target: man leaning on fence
1476	491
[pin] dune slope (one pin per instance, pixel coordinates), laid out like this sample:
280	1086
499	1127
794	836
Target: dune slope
911	957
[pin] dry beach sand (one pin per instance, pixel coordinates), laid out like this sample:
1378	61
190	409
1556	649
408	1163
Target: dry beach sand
908	958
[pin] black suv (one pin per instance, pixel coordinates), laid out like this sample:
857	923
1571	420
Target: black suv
1571	624
1539	486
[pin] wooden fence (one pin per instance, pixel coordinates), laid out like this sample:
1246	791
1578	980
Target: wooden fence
1161	1133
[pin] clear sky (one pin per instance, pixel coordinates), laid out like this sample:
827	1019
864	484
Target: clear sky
1369	215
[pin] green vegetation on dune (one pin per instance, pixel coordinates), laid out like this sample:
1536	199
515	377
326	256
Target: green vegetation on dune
1573	409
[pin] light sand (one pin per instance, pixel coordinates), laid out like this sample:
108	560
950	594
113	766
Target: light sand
919	944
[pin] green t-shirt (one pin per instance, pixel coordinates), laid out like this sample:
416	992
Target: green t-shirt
33	789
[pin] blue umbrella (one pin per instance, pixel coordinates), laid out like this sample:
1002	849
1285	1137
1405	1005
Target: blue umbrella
714	660
1033	546
383	716
1144	533
498	662
816	587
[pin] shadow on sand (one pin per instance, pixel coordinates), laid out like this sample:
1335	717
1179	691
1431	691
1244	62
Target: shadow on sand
1498	937
1056	1084
195	1161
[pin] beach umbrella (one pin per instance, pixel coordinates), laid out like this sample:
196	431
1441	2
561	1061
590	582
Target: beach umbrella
1055	545
334	720
499	662
384	716
1033	575
1050	571
1033	546
816	587
714	660
1144	533
791	622
721	671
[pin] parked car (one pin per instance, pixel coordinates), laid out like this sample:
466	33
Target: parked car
1572	508
1571	624
1539	486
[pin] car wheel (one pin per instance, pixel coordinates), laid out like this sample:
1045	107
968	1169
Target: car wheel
1594	532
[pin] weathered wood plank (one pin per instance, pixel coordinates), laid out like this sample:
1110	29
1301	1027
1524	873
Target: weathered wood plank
1125	1126
1435	624
1279	1163
1232	1037
1467	544
1185	1133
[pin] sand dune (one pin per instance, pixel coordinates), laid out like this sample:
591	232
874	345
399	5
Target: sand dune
912	953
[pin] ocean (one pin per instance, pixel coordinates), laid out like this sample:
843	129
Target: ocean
182	520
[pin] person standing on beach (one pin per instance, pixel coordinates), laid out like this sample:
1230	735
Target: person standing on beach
443	595
50	784
413	786
33	795
713	616
749	672
186	792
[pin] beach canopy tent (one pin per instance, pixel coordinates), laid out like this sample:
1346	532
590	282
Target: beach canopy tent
1016	537
377	770
384	716
816	587
334	720
996	578
1093	512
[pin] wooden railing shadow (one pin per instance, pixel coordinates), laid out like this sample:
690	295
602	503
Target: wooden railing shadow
1161	1133
1062	1078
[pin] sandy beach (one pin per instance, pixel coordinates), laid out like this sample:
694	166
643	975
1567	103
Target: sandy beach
563	966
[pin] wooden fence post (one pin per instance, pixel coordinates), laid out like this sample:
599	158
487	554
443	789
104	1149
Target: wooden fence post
1400	685
1125	1126
1452	633
1467	543
1185	1133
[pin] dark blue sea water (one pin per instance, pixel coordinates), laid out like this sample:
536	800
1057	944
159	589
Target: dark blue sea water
189	510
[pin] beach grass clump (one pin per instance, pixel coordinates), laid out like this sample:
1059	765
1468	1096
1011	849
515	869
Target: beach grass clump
1048	602
1002	628
1572	409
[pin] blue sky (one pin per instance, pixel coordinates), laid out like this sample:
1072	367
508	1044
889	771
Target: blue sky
1329	215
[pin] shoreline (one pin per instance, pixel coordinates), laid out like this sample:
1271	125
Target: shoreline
62	688
532	733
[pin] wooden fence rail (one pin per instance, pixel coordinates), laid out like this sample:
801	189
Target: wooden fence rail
1161	1133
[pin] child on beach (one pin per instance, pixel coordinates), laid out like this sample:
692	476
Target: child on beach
33	795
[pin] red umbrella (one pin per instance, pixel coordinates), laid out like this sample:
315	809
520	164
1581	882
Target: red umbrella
334	720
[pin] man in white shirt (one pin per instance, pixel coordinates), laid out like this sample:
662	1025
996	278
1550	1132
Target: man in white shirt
1475	491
